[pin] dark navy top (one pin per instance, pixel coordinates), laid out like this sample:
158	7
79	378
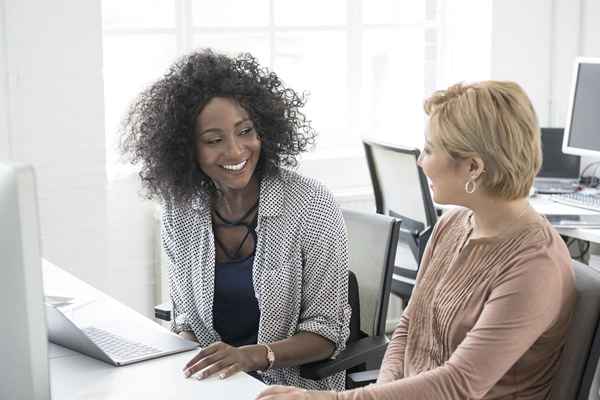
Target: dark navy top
235	308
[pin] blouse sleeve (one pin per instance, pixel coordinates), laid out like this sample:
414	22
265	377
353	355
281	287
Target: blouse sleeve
516	314
179	320
392	366
324	305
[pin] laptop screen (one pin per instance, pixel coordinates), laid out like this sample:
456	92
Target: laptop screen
555	163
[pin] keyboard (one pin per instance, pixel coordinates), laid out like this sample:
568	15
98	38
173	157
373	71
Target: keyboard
118	347
581	200
554	186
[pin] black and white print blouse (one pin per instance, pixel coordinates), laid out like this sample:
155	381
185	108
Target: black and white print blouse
300	271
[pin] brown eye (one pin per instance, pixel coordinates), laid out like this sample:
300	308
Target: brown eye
246	131
213	141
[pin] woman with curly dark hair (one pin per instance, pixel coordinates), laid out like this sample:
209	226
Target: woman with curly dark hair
258	258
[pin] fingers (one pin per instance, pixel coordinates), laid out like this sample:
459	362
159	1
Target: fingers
213	348
215	359
215	368
227	372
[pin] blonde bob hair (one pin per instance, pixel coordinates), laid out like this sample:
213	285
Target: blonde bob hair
495	121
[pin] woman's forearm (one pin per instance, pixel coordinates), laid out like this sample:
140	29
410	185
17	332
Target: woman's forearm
302	348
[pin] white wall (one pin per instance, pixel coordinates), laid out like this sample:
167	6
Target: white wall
521	48
590	34
52	115
132	244
535	43
566	37
4	138
460	63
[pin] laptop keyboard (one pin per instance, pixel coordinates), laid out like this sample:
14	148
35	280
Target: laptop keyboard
554	187
580	200
118	347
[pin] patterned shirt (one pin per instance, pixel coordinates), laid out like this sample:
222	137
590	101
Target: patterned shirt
300	271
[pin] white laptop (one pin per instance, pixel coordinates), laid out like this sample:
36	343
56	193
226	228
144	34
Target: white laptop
90	322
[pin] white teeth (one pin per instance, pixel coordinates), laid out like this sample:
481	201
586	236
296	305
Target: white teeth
235	167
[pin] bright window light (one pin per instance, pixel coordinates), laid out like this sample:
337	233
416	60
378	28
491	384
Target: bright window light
365	65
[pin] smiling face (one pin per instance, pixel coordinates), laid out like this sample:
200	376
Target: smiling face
447	177
227	145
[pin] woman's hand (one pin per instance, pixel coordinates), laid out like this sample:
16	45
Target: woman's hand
188	336
225	360
294	393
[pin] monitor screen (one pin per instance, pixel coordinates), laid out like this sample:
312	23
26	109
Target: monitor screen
23	340
582	130
556	164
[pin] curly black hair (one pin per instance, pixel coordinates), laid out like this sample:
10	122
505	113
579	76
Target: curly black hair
158	130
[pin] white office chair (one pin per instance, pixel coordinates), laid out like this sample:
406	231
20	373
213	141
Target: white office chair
372	242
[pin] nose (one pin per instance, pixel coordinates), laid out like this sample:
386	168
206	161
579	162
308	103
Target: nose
234	149
420	159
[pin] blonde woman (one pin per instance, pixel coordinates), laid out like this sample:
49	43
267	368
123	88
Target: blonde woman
490	311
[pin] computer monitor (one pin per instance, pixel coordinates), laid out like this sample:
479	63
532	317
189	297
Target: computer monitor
23	340
582	128
556	164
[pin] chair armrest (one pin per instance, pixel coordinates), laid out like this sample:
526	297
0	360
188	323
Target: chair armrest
356	353
163	311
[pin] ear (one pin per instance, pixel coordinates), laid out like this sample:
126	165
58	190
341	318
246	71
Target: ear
476	167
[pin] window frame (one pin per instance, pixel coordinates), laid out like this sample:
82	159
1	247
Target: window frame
331	163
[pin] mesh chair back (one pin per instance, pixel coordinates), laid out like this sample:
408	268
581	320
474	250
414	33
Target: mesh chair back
579	359
372	242
399	184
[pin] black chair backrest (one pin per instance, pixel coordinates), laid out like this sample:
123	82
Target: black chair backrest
354	302
399	184
414	234
579	360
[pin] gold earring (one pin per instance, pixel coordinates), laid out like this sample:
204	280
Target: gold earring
470	186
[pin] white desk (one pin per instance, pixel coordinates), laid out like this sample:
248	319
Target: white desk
75	376
544	205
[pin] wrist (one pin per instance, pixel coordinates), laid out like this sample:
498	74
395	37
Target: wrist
257	353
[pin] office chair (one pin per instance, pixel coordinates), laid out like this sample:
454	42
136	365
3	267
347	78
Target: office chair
579	374
372	242
401	190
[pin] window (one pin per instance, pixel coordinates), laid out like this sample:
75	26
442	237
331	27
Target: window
366	65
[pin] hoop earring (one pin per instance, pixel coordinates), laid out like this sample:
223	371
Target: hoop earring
470	186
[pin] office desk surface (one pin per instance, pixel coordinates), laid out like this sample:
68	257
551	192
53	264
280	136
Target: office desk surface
76	376
544	205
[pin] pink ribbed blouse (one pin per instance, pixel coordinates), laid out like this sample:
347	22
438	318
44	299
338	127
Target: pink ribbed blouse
485	322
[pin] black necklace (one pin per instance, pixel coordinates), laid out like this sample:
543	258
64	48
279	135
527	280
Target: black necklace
250	230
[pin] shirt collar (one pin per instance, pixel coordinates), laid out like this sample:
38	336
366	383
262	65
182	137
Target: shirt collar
270	198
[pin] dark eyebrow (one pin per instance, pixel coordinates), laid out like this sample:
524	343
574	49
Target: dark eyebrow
209	130
219	130
242	121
